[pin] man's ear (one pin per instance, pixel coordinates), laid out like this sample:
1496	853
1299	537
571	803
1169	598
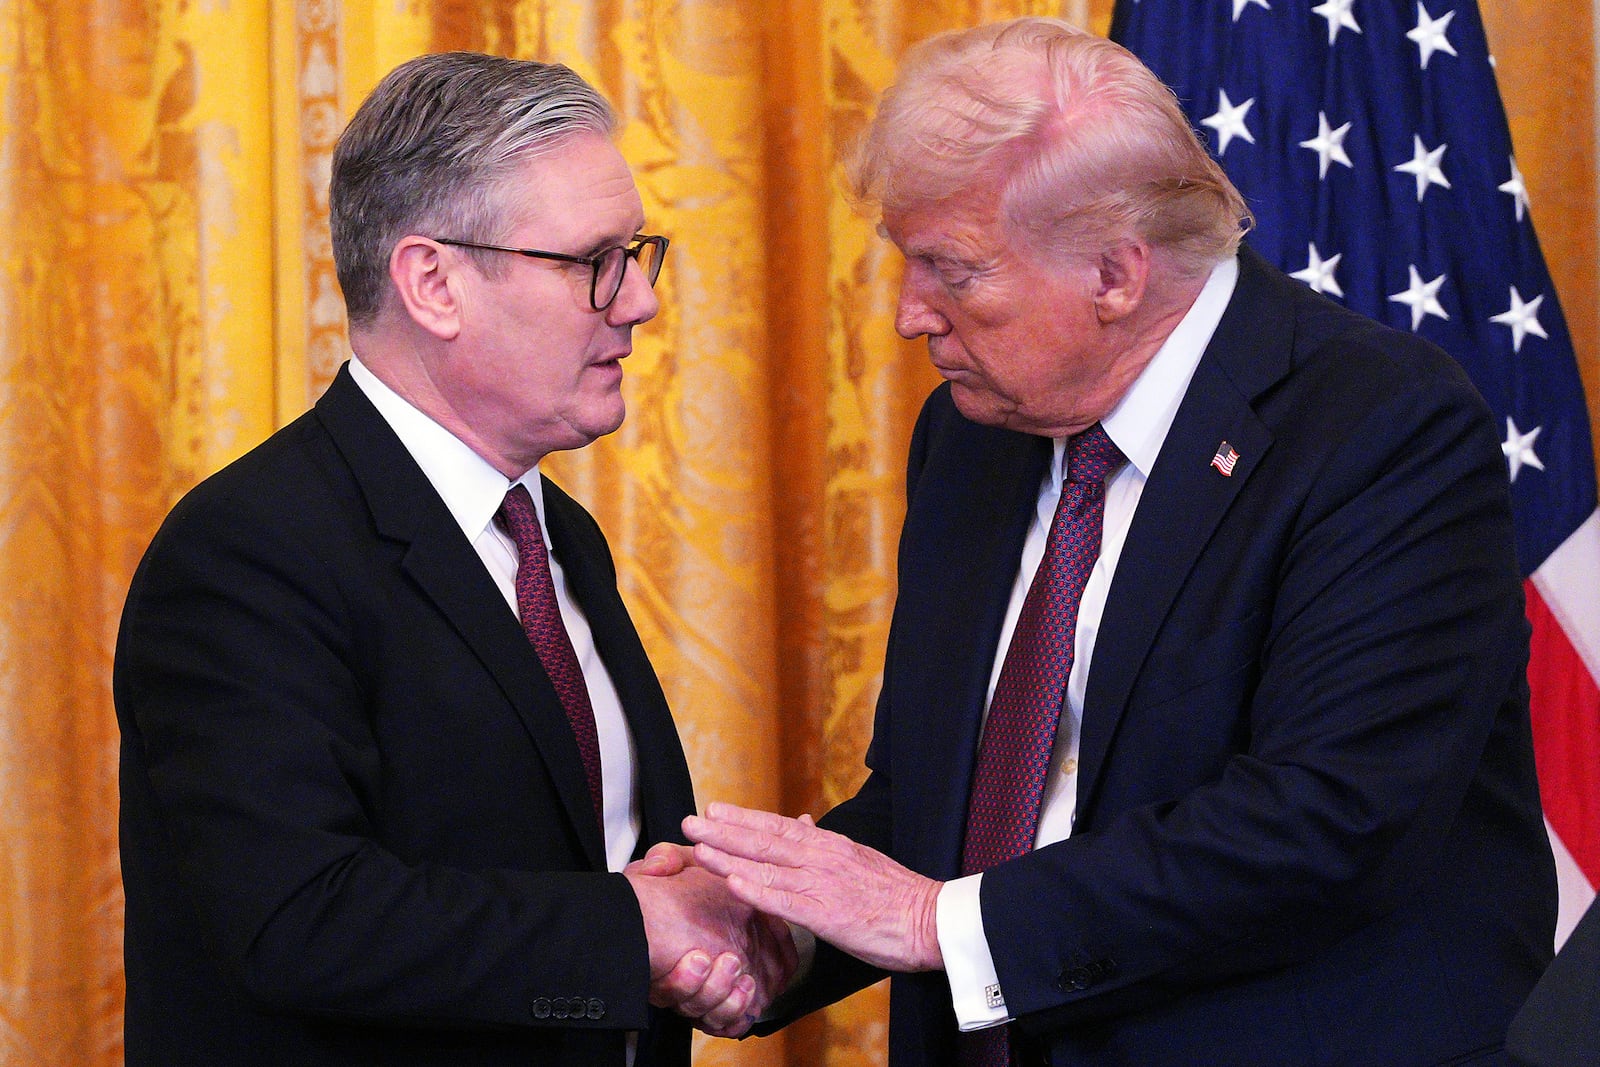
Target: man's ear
1124	271
427	280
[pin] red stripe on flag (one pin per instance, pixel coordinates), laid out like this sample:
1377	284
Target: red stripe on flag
1566	737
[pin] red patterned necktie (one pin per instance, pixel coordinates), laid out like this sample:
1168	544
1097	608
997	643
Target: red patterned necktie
1014	753
541	621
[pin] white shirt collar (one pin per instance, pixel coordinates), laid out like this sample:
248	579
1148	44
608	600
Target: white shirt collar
469	486
1140	421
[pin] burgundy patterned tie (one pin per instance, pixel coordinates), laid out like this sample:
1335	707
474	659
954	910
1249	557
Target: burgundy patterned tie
541	621
1014	754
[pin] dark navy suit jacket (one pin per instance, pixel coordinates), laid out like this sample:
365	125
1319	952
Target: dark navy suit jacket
1308	830
355	828
1559	1025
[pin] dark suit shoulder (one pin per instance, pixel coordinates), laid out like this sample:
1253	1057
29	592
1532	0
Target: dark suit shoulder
565	510
1277	333
946	442
272	482
1359	346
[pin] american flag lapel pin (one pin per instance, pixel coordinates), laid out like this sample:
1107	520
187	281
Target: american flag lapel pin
1224	460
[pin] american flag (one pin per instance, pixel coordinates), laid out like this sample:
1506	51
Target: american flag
1224	460
1368	138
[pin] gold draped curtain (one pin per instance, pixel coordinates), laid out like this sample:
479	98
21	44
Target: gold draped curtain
168	299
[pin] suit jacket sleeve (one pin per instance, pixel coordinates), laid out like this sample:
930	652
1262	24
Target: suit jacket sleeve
264	679
866	817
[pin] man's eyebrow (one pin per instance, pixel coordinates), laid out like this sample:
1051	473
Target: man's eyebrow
939	256
600	244
924	250
595	247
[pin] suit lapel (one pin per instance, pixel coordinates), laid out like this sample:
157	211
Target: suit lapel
665	791
1185	498
406	509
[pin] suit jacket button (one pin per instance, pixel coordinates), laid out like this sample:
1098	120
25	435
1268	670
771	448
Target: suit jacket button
561	1008
541	1008
595	1009
1074	979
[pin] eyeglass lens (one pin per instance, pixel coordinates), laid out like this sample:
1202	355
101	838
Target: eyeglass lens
611	269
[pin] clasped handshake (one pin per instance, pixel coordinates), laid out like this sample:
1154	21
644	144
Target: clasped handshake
717	914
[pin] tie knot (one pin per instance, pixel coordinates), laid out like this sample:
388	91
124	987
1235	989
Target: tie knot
1091	456
520	519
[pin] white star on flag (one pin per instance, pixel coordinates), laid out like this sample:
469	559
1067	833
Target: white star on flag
1515	189
1522	318
1426	166
1228	121
1328	144
1430	34
1337	12
1518	448
1423	298
1240	5
1318	272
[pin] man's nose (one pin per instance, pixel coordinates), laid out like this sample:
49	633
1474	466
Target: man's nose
915	315
636	301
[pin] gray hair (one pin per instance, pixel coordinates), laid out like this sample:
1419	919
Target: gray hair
1082	142
427	150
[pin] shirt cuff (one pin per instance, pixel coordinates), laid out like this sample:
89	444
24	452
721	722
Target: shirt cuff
974	986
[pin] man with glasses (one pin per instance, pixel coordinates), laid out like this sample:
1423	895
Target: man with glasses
390	741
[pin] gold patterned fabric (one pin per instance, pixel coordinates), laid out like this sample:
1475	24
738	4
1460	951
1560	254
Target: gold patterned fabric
169	299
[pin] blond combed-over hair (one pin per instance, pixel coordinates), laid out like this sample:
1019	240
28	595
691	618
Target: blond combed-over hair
1083	144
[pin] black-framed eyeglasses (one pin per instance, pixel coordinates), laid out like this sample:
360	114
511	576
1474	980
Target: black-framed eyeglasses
607	268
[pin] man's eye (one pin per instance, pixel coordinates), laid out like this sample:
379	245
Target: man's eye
958	280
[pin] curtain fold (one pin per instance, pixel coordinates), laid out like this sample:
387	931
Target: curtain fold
169	299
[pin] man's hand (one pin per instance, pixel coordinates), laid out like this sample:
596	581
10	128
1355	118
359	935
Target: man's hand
847	894
712	957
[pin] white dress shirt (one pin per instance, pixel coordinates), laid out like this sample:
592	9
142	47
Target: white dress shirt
474	491
1138	426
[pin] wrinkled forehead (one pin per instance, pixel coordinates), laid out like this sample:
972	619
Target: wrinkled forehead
963	224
